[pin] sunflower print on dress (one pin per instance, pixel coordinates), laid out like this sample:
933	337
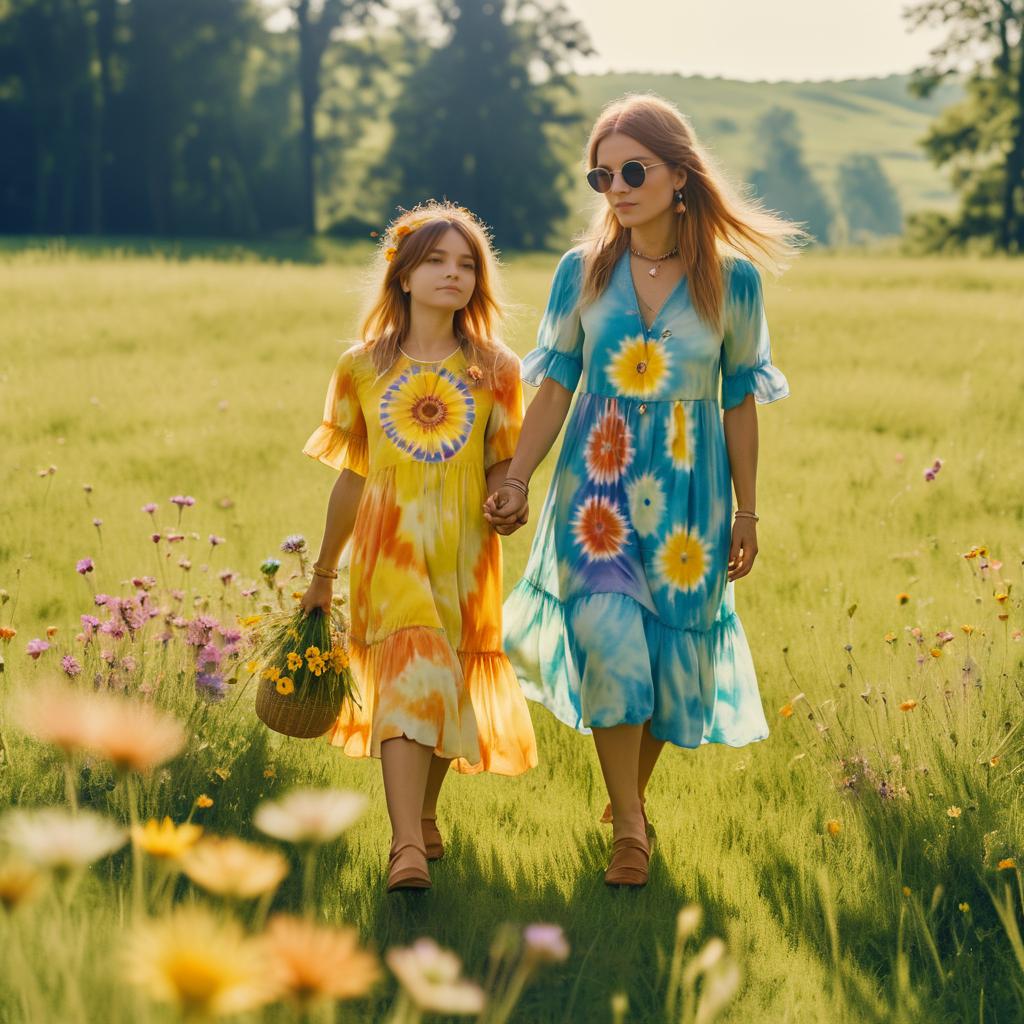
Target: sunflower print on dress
428	413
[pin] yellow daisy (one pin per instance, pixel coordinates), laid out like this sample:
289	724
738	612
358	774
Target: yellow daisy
164	839
284	686
428	413
683	560
639	369
294	660
272	673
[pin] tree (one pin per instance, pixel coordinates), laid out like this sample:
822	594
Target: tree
783	179
981	138
481	117
867	198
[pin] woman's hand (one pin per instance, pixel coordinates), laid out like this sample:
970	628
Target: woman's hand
318	594
744	547
506	510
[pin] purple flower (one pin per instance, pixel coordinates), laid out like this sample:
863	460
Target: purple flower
211	686
166	637
70	665
36	647
231	634
155	538
113	629
933	470
128	663
84	565
101	599
149	507
215	540
248	591
89	623
173	538
107	656
209	655
294	543
546	943
178	595
183	501
97	523
226	576
185	564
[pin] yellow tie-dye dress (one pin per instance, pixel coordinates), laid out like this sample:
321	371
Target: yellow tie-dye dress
425	566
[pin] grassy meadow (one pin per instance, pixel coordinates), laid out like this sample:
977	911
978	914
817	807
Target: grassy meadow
859	864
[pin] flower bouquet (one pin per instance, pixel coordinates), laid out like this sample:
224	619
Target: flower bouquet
304	671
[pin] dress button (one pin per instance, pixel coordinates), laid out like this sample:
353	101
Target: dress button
642	408
666	334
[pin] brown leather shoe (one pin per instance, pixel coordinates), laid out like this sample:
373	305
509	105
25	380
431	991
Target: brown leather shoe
652	835
407	868
432	839
629	864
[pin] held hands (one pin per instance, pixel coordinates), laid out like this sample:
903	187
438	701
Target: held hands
318	594
743	550
506	510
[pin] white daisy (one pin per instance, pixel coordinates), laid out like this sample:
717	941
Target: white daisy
646	504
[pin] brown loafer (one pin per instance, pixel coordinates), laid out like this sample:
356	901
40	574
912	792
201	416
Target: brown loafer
432	840
629	864
652	835
407	868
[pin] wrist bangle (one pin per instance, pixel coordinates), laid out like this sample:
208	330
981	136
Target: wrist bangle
319	570
516	484
742	513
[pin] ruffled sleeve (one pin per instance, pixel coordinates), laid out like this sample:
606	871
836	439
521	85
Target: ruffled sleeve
559	351
340	440
746	348
506	418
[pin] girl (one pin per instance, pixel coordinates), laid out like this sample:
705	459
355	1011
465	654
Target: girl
625	615
421	420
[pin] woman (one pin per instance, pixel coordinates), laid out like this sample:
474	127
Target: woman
624	620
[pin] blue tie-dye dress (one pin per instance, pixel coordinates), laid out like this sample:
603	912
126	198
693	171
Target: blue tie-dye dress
624	613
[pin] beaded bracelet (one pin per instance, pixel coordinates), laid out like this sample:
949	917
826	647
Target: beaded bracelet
319	570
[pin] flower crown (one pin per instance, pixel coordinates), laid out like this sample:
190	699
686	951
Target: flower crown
394	234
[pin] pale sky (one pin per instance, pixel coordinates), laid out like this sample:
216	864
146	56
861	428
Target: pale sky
753	39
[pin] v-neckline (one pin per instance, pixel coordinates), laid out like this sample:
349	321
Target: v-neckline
648	328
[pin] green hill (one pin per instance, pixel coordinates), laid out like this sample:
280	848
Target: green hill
874	115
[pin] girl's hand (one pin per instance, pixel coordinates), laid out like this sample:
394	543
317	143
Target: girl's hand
318	595
744	547
506	510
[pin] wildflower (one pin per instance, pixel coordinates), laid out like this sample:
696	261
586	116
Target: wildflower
149	507
203	801
310	815
1006	864
313	963
97	523
7	634
69	663
202	964
215	540
889	638
34	648
786	711
211	686
84	565
903	597
834	826
134	736
964	908
312	652
968	629
688	921
51	632
284	686
339	659
475	373
936	652
908	705
54	838
1002	597
182	501
994	760
164	839
272	673
953	812
226	576
269	567
229	866
933	471
294	660
155	538
250	620
944	635
906	890
545	943
20	882
316	665
431	978
173	538
270	773
389	255
294	543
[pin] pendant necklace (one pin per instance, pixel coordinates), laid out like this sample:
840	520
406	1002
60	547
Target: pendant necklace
656	260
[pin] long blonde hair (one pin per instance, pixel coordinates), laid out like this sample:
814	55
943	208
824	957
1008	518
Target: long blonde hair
716	224
409	239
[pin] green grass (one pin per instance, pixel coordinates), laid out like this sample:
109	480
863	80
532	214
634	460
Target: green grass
147	377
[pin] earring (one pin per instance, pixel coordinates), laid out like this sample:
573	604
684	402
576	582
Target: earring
678	199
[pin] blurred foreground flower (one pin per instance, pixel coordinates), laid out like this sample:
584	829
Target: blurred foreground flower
164	839
431	978
204	965
312	963
310	815
232	867
20	882
56	839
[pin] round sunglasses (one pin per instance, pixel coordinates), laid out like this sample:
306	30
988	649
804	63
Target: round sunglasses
634	174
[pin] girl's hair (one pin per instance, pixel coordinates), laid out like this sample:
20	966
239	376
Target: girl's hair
716	224
408	241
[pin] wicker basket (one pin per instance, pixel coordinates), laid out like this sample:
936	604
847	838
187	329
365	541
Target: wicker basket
304	715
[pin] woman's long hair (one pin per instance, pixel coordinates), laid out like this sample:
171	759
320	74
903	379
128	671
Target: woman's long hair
410	238
716	224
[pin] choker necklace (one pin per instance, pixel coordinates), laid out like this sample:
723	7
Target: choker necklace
656	260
